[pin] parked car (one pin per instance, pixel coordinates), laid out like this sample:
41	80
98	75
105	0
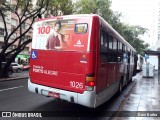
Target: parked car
26	66
17	67
10	69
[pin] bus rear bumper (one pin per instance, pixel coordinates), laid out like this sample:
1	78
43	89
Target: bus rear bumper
88	98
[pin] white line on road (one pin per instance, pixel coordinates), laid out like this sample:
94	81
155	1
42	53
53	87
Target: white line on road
11	88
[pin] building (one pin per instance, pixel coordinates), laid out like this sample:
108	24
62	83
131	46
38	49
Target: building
153	59
12	22
2	29
158	28
23	57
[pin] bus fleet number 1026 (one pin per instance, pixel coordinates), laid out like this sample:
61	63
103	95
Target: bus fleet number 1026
74	84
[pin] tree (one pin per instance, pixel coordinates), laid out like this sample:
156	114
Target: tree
23	11
132	35
59	7
102	7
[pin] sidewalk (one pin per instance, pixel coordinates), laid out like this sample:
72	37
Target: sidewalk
143	99
14	76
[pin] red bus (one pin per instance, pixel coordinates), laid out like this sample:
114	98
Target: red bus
80	59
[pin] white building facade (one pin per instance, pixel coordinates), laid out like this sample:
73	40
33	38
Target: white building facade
158	28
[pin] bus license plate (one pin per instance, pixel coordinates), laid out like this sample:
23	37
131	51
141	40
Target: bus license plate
55	95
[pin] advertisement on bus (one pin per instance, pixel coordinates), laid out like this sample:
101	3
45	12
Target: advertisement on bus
60	35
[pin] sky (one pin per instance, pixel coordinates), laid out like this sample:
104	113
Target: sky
139	12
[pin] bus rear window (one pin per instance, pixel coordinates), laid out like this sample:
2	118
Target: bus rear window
81	28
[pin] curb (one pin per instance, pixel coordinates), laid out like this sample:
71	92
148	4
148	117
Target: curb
16	78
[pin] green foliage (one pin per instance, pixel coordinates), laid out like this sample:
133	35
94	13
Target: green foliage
132	35
23	5
102	7
66	7
58	7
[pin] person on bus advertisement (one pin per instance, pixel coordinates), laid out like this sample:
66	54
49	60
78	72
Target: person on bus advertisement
55	39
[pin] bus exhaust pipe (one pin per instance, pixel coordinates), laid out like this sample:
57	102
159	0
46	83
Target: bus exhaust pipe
72	99
36	90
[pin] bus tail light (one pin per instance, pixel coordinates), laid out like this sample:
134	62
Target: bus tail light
90	82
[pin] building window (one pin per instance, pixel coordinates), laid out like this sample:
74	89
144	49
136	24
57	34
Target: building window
23	38
27	25
1	31
26	37
14	22
9	1
23	25
14	35
0	17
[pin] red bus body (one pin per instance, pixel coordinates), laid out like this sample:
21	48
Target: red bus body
79	71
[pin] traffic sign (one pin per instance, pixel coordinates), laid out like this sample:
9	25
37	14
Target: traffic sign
146	56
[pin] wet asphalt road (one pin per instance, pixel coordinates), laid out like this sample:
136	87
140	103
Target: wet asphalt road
14	96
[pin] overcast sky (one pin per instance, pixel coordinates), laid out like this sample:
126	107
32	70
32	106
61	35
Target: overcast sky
139	12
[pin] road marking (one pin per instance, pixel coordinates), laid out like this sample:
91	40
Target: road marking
11	88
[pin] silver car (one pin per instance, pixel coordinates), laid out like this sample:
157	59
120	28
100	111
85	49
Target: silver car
17	67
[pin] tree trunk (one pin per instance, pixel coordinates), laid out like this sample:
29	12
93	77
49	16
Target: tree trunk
4	73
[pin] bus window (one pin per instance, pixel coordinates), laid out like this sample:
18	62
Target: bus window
114	44
125	48
110	42
104	45
120	52
81	28
112	53
120	47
